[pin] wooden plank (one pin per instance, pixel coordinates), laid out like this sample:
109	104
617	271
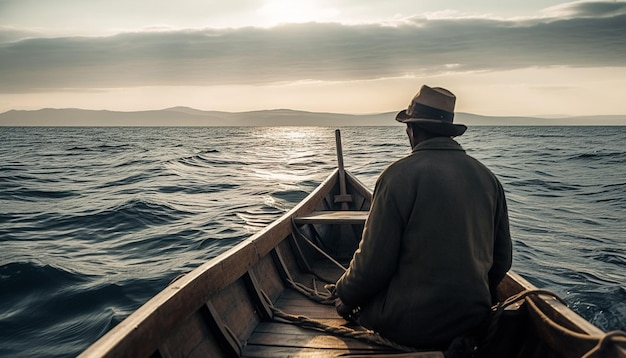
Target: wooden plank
428	354
333	217
275	339
357	187
236	309
327	316
287	261
280	336
315	311
287	328
566	342
300	304
325	269
226	339
302	258
268	277
190	338
295	296
310	339
258	351
258	297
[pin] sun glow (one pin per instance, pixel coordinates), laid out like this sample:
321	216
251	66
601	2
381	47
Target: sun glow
276	12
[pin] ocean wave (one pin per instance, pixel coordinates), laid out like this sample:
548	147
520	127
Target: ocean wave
16	277
128	180
100	148
202	160
546	188
598	156
30	195
62	304
199	188
129	216
260	217
291	196
616	257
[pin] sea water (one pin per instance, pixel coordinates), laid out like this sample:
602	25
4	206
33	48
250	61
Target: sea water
95	221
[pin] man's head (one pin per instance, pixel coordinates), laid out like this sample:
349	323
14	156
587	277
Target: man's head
432	109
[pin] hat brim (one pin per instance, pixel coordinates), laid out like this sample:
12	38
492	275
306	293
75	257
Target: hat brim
433	125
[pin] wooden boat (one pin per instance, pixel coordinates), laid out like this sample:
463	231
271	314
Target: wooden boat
256	300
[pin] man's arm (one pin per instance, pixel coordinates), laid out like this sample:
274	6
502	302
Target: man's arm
375	261
502	248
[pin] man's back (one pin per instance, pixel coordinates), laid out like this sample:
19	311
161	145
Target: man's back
428	248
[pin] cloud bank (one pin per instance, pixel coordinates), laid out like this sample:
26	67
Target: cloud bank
586	35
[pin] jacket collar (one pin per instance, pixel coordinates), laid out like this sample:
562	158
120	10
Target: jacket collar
438	143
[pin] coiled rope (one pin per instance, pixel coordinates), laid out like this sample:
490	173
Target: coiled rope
325	298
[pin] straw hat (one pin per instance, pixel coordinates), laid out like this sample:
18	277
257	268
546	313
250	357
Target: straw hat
432	109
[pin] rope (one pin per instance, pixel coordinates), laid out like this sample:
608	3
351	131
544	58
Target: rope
498	309
615	337
520	296
317	248
362	335
312	293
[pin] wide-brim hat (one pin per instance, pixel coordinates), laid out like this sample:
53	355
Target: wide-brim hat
432	109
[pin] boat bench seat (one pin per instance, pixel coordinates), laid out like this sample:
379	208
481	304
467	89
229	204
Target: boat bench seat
333	217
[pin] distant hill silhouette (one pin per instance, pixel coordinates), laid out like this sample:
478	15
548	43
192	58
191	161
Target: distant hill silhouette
185	116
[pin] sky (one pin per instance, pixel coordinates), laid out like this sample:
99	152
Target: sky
501	58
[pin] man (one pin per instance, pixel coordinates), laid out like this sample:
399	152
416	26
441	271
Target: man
436	242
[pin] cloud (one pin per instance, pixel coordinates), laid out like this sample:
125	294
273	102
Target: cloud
314	51
11	34
588	9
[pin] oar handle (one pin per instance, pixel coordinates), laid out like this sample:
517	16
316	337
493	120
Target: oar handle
341	171
339	149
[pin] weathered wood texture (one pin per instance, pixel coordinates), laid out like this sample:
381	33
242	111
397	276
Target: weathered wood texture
191	339
276	339
333	217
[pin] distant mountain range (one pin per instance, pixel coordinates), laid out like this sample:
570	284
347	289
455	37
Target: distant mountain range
185	116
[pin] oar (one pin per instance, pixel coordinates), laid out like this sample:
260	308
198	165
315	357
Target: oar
344	198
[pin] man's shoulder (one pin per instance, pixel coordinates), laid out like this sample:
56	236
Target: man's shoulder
398	169
400	164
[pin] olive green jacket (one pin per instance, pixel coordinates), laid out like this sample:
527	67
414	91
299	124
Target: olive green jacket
435	244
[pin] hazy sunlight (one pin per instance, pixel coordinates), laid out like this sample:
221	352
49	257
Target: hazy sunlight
285	11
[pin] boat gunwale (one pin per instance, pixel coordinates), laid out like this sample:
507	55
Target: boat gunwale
568	317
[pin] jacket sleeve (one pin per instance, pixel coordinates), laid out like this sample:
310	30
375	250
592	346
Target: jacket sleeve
374	262
503	248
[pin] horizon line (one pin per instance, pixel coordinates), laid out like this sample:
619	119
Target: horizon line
535	116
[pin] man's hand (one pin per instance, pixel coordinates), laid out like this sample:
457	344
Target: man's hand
345	311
